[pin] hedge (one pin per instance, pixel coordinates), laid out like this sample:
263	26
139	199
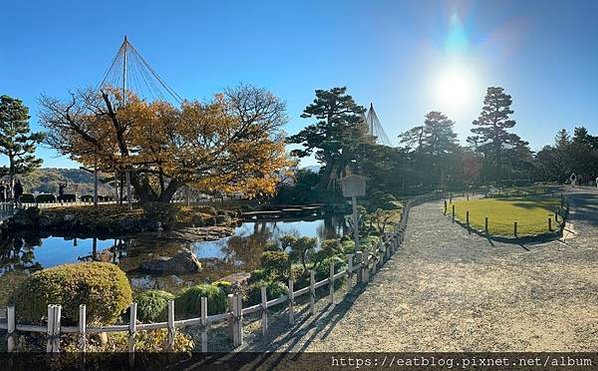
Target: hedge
102	287
67	197
45	198
27	198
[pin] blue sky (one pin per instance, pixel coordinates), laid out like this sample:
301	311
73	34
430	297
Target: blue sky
407	57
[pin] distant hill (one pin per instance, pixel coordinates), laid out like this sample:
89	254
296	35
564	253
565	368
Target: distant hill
78	181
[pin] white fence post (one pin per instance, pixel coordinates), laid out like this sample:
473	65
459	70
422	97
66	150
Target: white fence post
359	259
132	326
231	319
11	324
264	310
291	302
82	328
171	329
204	324
349	272
331	283
50	328
239	318
312	291
366	268
56	334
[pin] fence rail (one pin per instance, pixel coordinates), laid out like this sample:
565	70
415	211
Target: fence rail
361	266
554	224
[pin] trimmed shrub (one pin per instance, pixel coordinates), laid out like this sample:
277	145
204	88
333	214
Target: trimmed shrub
323	269
258	275
274	289
102	287
67	197
225	286
27	198
152	305
348	246
276	262
45	199
188	302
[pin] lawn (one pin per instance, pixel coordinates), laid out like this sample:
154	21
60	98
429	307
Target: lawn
531	215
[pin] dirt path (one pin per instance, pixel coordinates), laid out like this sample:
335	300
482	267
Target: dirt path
447	290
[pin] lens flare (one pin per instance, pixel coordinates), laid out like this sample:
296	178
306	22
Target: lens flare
454	88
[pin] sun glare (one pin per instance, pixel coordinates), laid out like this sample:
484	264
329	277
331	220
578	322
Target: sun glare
454	88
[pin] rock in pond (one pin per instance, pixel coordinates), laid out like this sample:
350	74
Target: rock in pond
183	262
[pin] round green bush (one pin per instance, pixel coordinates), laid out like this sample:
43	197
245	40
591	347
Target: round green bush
102	287
276	262
152	305
258	275
274	290
188	302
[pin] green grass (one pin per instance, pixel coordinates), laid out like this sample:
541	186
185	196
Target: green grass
531	215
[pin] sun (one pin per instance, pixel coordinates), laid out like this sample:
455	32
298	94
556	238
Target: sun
454	88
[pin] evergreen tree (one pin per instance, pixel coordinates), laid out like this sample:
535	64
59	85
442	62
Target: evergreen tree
17	142
336	136
440	142
491	128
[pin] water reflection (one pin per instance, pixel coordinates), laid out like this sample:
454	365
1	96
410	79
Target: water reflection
239	252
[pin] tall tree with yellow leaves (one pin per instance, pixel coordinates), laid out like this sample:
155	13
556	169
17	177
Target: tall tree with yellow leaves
232	143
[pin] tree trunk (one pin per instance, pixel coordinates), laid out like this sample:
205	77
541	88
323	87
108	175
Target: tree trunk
170	190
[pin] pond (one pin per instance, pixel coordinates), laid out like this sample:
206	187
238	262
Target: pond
238	253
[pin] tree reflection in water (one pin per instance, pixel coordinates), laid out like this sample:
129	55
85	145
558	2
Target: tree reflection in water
240	252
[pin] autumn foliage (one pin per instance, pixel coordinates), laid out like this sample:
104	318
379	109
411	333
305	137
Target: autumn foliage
232	143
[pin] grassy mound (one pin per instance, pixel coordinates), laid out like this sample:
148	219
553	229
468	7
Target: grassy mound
531	215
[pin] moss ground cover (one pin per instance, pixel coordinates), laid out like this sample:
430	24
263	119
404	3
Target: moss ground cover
530	214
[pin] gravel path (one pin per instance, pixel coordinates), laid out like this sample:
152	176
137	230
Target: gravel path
447	290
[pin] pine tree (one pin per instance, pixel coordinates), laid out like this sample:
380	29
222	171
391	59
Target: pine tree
336	136
17	142
491	127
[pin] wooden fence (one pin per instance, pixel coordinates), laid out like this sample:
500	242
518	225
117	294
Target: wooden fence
554	225
360	268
